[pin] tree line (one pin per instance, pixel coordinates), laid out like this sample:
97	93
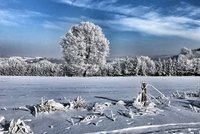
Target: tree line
130	66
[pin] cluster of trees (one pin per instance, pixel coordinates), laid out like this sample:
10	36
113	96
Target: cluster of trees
85	49
18	66
144	66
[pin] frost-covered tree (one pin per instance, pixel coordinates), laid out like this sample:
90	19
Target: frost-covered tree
159	67
85	45
110	69
18	66
117	68
129	66
173	67
146	66
183	65
196	66
169	68
186	51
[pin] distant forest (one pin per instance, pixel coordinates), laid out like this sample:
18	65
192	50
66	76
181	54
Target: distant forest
186	63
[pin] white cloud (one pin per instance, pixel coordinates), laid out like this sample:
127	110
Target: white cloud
11	17
188	10
161	26
151	23
8	23
50	25
180	23
107	5
78	3
62	23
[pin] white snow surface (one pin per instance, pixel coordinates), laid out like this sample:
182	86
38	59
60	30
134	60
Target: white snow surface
27	91
153	128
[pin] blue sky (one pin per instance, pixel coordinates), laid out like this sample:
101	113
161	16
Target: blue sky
134	27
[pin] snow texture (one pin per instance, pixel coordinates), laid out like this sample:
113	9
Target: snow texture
108	104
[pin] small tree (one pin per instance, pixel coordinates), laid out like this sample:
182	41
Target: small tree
159	67
83	46
145	66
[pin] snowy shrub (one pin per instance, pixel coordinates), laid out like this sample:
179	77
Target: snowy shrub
16	127
79	102
48	106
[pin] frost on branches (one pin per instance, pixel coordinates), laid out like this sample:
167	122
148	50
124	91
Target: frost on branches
84	46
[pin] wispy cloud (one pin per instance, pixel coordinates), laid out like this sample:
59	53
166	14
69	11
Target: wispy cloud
108	6
51	25
13	17
161	26
72	19
146	20
189	10
78	3
62	23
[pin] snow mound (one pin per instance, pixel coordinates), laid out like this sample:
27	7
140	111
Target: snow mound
100	107
120	103
48	106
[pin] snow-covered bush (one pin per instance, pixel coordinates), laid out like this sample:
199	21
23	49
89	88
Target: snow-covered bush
48	106
79	102
16	127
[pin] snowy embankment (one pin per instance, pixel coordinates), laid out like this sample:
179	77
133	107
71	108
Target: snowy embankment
49	104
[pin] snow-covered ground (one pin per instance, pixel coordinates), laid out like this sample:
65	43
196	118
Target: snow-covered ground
27	91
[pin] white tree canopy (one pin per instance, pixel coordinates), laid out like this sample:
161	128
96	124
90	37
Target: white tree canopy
85	45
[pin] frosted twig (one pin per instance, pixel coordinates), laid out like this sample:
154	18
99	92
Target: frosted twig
72	121
156	90
130	123
112	116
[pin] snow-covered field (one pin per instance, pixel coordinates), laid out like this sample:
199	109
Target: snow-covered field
28	91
